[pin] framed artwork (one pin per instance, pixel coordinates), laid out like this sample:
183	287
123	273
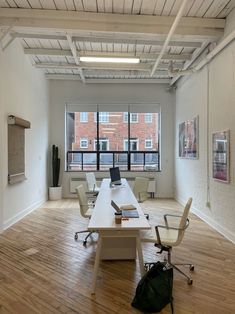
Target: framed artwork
220	156
188	139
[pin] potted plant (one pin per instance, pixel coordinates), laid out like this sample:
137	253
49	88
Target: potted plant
55	191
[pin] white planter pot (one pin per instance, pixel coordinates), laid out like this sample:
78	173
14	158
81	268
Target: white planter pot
55	193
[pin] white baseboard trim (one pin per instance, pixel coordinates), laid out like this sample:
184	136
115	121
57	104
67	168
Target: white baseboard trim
22	213
211	222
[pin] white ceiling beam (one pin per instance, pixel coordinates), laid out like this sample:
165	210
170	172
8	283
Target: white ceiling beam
130	40
68	53
70	21
94	65
172	31
107	80
75	56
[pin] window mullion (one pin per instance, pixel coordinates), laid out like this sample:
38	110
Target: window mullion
129	132
97	142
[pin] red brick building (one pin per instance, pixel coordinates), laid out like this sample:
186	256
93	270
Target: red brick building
113	131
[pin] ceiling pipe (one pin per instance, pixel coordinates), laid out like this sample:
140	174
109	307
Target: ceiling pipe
171	32
226	41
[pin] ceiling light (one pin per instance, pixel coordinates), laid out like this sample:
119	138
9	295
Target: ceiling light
109	60
111	132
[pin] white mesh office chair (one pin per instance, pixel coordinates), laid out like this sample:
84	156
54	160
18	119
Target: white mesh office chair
165	237
85	210
140	190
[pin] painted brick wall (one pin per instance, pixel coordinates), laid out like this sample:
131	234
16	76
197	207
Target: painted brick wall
210	94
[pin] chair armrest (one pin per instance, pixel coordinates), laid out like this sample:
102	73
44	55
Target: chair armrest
169	228
165	218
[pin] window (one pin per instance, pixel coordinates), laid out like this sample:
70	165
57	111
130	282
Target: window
83	116
148	143
112	141
103	117
83	142
148	117
103	144
134	144
133	117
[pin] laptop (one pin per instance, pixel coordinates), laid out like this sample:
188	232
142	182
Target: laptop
126	213
115	176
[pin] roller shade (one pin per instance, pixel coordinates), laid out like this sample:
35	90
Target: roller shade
145	108
81	108
136	108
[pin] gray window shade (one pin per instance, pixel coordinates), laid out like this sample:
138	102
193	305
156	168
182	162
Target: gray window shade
139	108
16	149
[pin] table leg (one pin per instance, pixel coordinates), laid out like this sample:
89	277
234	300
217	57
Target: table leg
97	262
140	255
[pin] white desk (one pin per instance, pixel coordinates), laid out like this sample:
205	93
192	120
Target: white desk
116	241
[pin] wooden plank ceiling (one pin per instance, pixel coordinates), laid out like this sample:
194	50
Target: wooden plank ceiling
56	33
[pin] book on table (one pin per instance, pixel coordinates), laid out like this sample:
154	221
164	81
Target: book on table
128	210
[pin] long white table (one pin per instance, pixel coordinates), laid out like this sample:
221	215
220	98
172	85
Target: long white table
116	241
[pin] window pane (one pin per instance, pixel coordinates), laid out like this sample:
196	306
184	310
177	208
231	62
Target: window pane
80	137
121	161
148	117
113	133
143	136
106	161
83	116
89	161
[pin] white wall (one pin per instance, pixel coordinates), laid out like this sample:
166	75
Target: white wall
210	94
24	93
62	92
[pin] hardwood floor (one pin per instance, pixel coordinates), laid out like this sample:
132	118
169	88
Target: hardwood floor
44	270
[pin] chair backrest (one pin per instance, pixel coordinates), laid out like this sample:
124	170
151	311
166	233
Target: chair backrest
83	201
140	188
183	221
91	181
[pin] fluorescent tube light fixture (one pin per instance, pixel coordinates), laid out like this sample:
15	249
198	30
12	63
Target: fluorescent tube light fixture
109	60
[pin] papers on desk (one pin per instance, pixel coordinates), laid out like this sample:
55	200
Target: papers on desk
127	210
127	207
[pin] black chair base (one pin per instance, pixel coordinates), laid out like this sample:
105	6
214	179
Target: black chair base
165	248
85	240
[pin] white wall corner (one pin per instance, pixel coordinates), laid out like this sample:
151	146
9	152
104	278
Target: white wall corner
22	214
211	222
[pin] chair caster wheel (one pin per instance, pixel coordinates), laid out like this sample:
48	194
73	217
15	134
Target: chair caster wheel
84	243
75	237
191	268
190	282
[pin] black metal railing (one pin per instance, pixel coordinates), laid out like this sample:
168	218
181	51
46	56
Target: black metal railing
103	160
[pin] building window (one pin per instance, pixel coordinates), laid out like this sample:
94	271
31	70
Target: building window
83	116
148	143
83	142
133	117
148	117
134	144
103	144
103	117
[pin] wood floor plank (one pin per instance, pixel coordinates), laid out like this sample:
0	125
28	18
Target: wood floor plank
44	270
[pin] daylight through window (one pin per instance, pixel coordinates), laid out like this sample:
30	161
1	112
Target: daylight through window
98	140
